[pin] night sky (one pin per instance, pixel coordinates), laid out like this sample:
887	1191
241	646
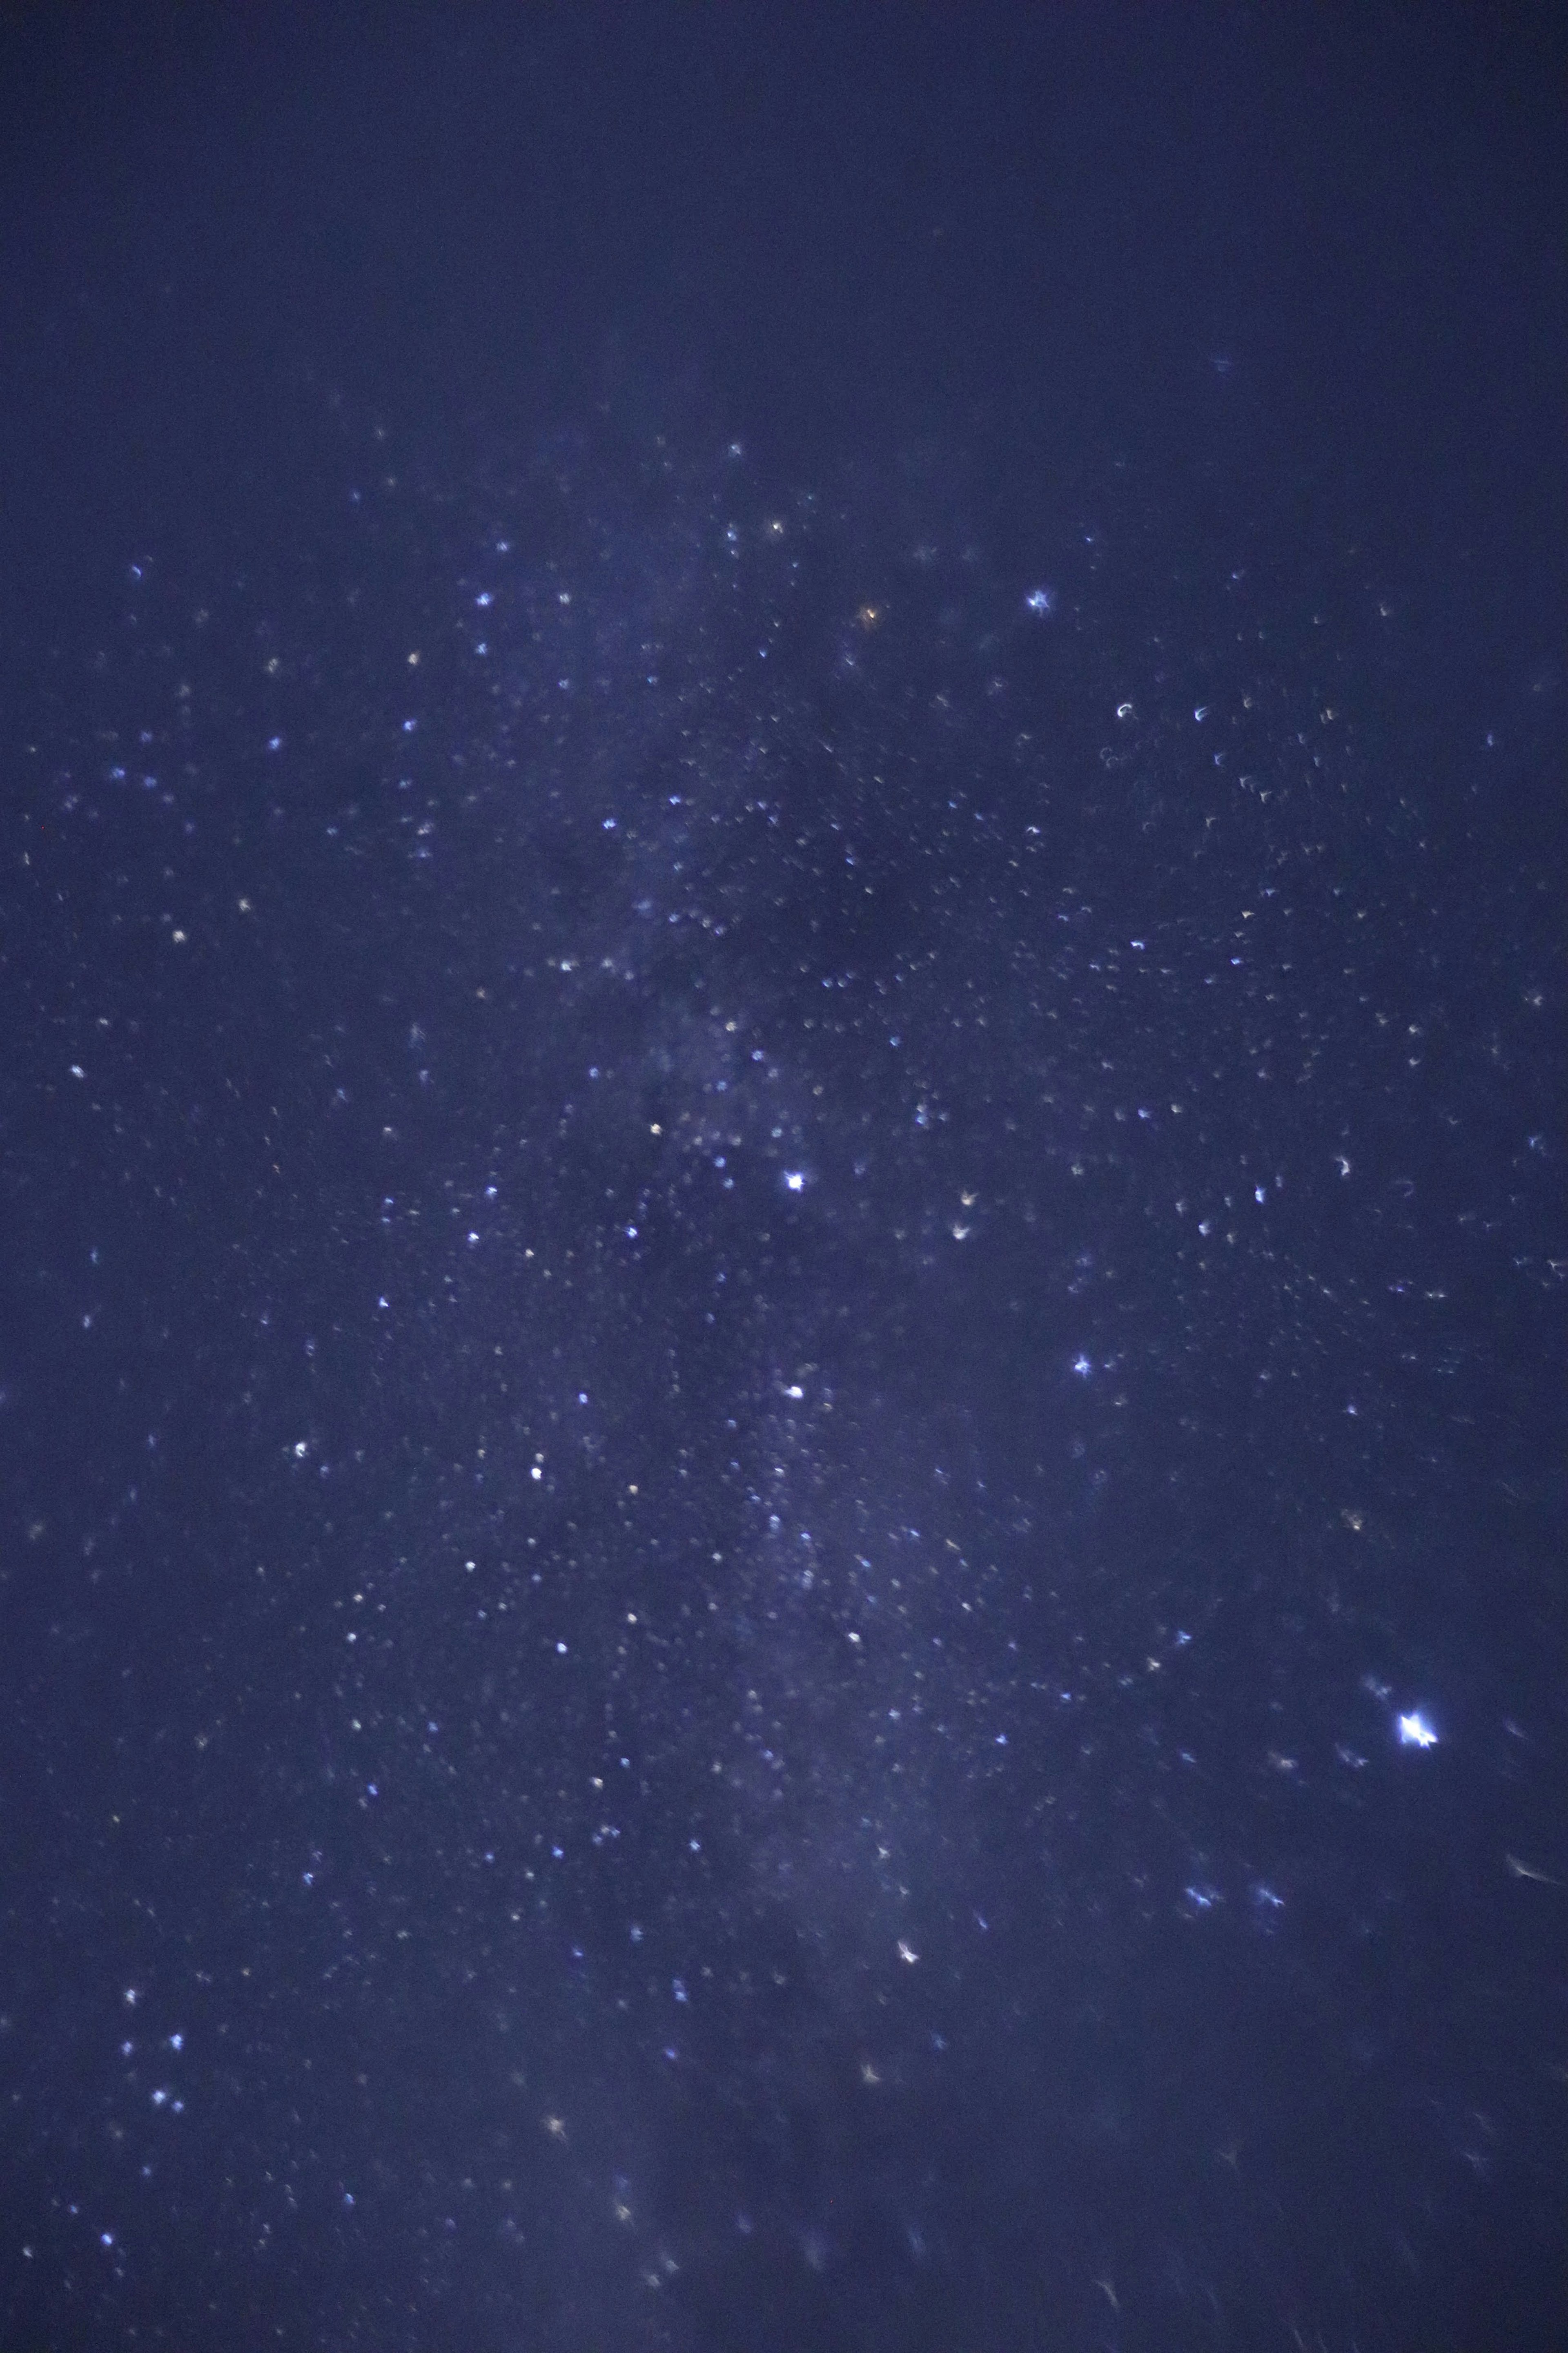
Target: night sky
781	931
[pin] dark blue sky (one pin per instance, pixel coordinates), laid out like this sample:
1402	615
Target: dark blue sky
781	1339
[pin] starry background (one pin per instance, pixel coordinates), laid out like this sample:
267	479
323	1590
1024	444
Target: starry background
781	1373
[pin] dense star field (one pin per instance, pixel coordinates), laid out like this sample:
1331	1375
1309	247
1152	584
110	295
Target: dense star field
791	1232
